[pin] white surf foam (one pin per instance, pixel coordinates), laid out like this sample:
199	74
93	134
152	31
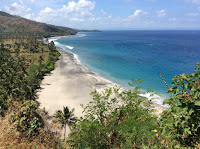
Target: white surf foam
69	47
81	35
55	42
76	57
154	98
52	39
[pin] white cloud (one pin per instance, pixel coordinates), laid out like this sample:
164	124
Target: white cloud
103	12
76	19
106	14
193	14
80	6
94	19
71	14
17	9
161	13
193	1
46	10
73	11
137	13
28	16
172	19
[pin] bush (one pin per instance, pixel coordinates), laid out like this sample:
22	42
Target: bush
25	118
34	75
180	124
50	67
116	120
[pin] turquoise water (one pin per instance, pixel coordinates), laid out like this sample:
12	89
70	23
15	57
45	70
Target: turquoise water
118	55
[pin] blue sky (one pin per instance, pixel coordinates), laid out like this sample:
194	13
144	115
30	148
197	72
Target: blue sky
109	14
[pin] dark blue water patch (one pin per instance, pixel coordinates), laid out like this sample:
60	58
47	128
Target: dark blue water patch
118	55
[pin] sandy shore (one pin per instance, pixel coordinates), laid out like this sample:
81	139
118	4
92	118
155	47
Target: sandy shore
70	84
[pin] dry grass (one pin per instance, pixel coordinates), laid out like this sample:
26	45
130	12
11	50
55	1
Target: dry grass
29	56
10	138
34	57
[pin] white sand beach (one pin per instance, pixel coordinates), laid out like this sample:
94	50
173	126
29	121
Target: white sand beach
70	84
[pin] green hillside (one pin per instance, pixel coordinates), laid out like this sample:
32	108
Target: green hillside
10	23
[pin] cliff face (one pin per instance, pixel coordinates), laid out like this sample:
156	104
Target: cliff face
10	23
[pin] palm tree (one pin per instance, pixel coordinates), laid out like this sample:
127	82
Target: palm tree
65	117
41	59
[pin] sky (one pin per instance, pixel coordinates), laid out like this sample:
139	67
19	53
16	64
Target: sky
109	14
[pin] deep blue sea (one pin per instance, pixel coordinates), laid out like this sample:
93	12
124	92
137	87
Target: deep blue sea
118	55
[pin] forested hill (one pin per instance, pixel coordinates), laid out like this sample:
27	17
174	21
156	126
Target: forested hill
10	23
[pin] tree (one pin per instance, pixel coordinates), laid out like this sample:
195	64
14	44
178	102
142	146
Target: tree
65	117
180	124
115	119
25	118
41	59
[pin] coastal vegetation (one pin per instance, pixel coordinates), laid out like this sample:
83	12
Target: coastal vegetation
114	118
24	59
65	118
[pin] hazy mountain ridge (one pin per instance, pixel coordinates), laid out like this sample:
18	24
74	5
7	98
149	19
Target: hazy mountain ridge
11	23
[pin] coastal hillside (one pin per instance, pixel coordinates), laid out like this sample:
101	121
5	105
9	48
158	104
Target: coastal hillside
11	23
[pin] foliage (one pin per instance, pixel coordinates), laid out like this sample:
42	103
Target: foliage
45	138
181	122
20	76
65	117
34	75
10	23
115	119
25	118
13	82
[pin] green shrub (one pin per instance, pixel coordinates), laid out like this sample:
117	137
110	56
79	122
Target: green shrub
50	67
25	118
116	120
180	124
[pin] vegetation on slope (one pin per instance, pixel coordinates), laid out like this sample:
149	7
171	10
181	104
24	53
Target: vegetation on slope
23	62
9	23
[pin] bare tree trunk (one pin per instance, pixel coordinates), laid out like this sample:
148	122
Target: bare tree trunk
64	131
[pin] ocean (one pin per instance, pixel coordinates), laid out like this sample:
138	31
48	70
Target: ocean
119	55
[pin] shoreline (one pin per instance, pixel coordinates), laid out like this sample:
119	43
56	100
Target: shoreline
70	84
79	61
72	72
105	83
156	98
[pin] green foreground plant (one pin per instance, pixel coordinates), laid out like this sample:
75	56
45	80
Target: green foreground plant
180	124
65	118
115	119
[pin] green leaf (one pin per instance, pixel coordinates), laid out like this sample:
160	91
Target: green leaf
154	130
197	103
183	76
